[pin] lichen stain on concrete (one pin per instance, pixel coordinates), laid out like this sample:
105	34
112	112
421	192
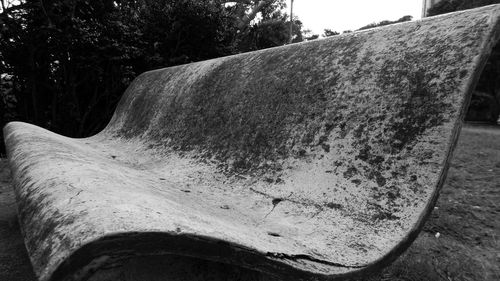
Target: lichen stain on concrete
247	123
242	111
317	158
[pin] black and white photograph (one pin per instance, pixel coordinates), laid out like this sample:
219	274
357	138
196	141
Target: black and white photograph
249	140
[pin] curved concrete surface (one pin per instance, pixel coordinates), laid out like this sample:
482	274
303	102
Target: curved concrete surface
313	161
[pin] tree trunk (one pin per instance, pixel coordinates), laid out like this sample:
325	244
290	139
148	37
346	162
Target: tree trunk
247	18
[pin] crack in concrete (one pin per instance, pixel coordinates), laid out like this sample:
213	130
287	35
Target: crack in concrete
71	198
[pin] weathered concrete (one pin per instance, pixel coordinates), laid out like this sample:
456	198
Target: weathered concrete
310	161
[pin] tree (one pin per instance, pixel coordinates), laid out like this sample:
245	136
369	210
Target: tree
271	30
309	35
68	61
270	33
246	10
386	22
447	6
328	32
175	30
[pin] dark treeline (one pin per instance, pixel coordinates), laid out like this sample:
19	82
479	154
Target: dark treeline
65	63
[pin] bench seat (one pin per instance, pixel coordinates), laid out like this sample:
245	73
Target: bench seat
317	160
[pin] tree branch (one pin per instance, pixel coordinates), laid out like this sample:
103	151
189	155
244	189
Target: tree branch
247	18
45	13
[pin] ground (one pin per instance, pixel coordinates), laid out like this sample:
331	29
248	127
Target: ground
459	242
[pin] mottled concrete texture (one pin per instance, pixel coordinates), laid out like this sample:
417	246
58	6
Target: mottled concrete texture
310	161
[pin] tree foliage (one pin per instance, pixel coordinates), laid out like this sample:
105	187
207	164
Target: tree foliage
270	33
65	63
386	22
328	32
447	6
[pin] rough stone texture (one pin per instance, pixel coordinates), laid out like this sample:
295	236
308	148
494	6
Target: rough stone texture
309	161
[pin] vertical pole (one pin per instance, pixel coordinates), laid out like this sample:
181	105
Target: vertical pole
291	22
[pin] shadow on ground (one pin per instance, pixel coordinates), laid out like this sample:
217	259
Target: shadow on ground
459	242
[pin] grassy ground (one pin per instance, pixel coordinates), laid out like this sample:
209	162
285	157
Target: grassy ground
467	218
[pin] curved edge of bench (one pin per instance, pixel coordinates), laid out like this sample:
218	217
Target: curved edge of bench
99	253
480	62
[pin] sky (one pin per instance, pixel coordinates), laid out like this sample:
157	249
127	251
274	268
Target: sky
339	15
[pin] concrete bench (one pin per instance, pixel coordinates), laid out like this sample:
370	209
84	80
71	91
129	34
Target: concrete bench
317	160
